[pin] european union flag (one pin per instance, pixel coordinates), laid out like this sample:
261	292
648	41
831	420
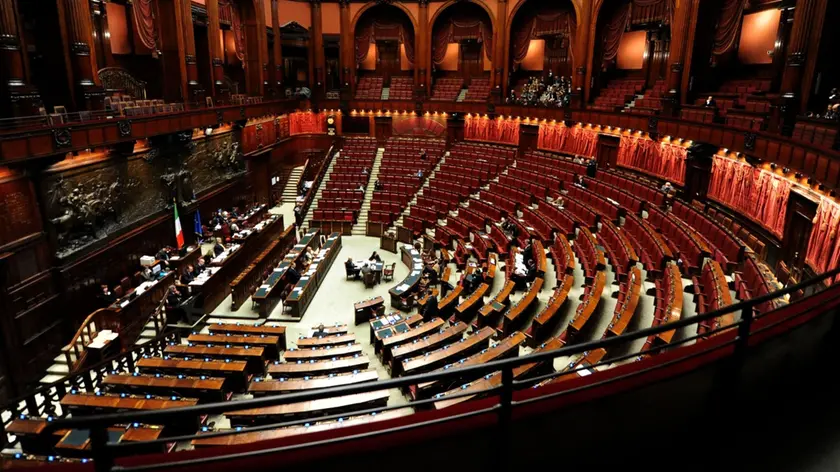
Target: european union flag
198	223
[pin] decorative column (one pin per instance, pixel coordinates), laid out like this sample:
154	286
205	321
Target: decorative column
584	43
807	18
196	91
681	28
426	64
277	51
82	68
19	98
213	31
347	54
318	50
422	41
500	43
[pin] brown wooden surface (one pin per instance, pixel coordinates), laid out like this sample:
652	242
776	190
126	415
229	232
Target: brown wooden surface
321	406
294	355
297	369
263	387
449	353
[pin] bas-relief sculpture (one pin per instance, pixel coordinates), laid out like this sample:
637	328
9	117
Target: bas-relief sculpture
90	203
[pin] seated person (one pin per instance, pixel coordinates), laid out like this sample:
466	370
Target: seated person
218	248
200	266
234	226
174	297
147	274
375	257
377	185
430	310
667	188
192	270
472	281
431	271
106	295
710	102
308	256
351	269
579	181
163	254
186	276
293	275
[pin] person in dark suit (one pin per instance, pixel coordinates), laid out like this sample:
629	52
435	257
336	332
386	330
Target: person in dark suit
591	168
431	311
186	276
218	248
106	295
293	275
375	257
200	266
351	269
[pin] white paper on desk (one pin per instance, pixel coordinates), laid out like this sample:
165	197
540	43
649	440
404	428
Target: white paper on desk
278	270
402	287
418	266
416	272
305	278
414	252
584	372
123	304
264	286
297	290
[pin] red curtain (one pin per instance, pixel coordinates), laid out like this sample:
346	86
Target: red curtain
824	246
652	11
494	131
383	31
144	22
229	9
613	31
729	22
561	138
761	196
651	157
306	122
456	30
559	23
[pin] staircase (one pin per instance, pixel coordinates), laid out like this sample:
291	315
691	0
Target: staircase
290	192
360	228
386	93
307	222
461	95
405	212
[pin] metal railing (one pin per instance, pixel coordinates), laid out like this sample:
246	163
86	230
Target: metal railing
105	453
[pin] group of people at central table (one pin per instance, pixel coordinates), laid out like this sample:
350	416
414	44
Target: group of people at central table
369	271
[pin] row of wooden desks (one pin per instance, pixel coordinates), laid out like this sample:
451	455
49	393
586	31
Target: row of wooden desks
545	320
319	367
34	439
325	352
229	329
254	356
389	325
444	355
414	261
428	342
273	344
305	289
320	407
80	404
268	295
288	385
627	303
234	372
515	316
209	389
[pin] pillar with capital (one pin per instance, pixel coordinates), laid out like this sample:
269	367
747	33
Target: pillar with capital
88	93
19	97
347	56
195	90
583	46
682	37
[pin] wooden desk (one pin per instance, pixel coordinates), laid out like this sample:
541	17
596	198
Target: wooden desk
390	325
534	369
508	347
368	309
588	359
515	315
294	355
414	261
330	330
320	407
251	330
448	303
254	356
271	343
256	436
545	320
589	304
419	331
271	387
451	334
489	313
674	301
446	354
251	277
88	403
76	443
625	310
388	242
235	372
128	316
318	367
207	389
268	295
305	289
321	341
539	257
467	309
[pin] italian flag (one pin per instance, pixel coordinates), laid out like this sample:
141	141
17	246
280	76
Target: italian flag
179	233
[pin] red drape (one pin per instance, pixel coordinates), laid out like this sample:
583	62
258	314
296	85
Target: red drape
144	22
494	131
729	22
559	23
369	33
651	157
652	11
229	9
824	246
613	31
561	138
761	196
456	30
307	122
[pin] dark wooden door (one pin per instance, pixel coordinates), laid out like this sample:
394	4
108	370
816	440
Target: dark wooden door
800	214
471	64
387	59
557	59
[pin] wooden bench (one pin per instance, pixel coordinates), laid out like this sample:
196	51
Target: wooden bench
489	313
321	341
444	355
80	404
242	329
253	355
209	389
271	387
591	299
321	367
427	343
320	407
234	372
271	343
294	355
545	320
627	303
515	315
467	309
423	329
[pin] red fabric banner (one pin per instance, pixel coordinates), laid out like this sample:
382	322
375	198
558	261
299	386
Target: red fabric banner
761	196
728	25
561	138
558	23
306	122
144	22
662	160
824	246
494	131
